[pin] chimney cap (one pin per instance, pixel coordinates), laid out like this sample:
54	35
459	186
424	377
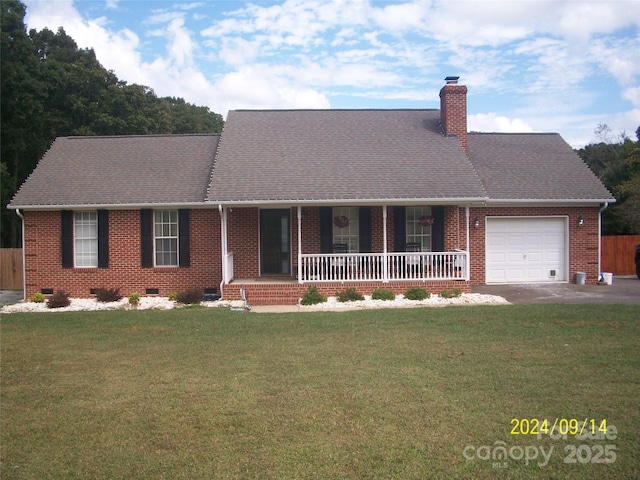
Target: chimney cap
451	80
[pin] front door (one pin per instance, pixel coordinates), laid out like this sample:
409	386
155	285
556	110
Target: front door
275	234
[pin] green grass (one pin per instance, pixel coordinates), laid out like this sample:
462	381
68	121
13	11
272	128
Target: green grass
204	393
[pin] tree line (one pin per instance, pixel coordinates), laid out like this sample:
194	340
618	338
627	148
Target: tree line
50	88
616	161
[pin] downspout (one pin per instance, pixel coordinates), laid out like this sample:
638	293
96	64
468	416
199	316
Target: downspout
385	278
468	266
24	265
299	244
223	248
602	209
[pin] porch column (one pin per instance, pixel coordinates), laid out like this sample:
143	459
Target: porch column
223	244
467	272
385	273
299	244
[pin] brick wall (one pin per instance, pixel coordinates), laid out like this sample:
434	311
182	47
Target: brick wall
583	240
453	112
44	270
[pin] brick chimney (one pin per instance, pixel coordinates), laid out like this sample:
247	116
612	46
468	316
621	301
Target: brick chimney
453	110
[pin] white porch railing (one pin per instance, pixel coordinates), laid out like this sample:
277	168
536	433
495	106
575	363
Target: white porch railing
354	267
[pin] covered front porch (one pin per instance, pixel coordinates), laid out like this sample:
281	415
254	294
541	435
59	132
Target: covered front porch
377	246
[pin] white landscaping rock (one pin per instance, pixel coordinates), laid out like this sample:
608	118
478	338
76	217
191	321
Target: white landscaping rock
163	303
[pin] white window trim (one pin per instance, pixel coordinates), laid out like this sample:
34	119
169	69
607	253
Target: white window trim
352	239
156	238
426	231
94	253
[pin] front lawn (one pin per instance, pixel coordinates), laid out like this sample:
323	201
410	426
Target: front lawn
413	393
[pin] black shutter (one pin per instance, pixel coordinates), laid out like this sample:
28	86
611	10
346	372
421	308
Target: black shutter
326	230
103	238
66	238
437	229
146	238
399	229
364	220
184	247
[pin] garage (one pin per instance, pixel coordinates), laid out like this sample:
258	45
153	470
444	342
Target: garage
526	249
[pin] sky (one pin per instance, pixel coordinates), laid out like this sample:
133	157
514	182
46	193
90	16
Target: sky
529	65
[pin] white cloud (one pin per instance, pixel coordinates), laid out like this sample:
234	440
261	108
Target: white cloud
633	95
492	122
533	66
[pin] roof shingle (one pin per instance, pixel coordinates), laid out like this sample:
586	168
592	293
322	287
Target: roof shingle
121	170
339	155
514	166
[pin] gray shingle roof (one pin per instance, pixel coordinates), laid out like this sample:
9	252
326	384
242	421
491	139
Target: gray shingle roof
533	167
339	155
121	170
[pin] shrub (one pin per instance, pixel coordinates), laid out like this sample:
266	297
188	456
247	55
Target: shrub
416	293
383	294
313	296
134	299
349	295
58	300
38	297
107	295
173	296
189	297
451	293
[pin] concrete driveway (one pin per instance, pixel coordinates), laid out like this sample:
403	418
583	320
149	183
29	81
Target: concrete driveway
625	290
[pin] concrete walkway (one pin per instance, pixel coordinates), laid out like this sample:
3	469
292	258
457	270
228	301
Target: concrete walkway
9	297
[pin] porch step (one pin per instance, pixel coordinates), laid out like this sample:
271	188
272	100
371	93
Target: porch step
266	293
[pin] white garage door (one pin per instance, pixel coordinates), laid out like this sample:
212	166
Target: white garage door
526	249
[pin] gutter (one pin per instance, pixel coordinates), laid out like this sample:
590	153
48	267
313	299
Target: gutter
24	265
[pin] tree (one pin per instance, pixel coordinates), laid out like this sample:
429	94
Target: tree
50	88
615	161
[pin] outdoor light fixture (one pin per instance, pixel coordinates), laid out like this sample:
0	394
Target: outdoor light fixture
476	223
580	222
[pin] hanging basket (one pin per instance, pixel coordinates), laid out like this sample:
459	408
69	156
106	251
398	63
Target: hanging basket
341	221
426	220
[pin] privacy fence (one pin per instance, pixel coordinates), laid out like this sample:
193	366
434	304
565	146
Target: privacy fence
618	254
10	269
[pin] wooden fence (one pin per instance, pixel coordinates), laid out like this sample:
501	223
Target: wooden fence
10	269
618	254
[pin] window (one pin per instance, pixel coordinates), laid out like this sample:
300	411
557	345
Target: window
85	229
346	227
165	233
419	221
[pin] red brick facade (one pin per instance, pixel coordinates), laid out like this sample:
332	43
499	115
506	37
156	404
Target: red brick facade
44	271
453	112
42	247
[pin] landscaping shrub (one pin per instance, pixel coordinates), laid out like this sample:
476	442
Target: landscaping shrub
416	293
38	297
383	294
107	295
451	293
313	296
58	300
349	295
134	299
173	296
189	297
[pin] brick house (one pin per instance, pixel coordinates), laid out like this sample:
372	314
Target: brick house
284	199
